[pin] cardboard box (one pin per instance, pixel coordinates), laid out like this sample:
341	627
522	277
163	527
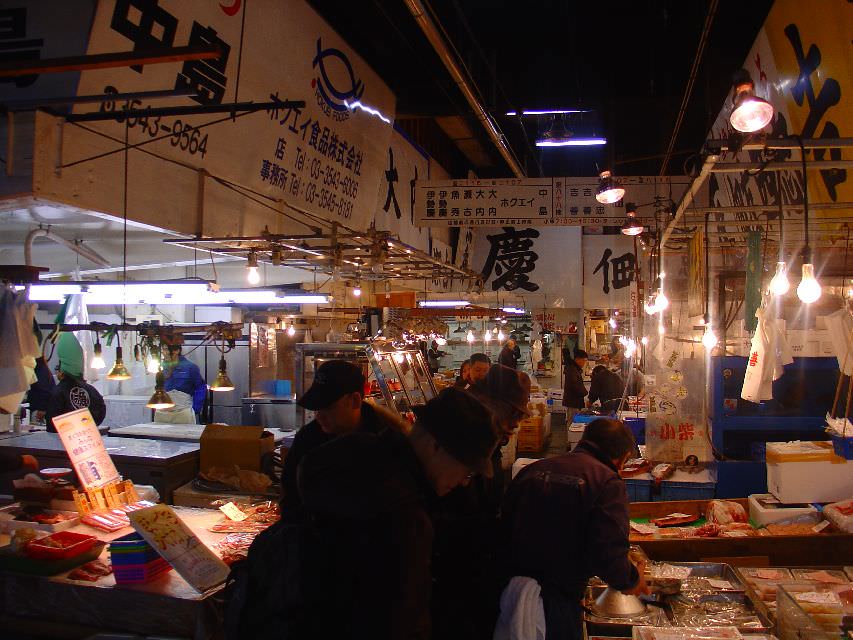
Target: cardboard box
225	445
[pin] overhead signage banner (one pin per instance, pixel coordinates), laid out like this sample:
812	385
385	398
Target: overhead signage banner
609	271
327	158
529	260
538	201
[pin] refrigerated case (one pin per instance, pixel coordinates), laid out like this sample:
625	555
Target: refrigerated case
396	379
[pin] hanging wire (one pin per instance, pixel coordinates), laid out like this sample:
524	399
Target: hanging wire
124	229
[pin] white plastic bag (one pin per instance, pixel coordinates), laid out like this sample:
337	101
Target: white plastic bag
755	387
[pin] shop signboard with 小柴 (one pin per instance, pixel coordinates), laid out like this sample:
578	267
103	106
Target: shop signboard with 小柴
85	447
327	157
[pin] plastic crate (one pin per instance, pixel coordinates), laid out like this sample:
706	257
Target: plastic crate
843	446
638	428
135	561
687	490
638	490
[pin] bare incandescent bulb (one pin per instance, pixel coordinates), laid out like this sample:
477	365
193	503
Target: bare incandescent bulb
291	330
470	337
252	275
779	285
809	289
709	338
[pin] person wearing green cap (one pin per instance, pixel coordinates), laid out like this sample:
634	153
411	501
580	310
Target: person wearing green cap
72	392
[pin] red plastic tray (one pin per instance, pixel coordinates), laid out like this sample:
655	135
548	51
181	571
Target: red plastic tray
72	544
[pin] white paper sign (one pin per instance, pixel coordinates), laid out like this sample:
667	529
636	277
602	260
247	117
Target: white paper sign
85	448
180	547
233	512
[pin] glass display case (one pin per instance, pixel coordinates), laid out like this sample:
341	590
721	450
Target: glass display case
397	380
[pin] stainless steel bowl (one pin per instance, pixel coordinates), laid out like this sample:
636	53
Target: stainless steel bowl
615	604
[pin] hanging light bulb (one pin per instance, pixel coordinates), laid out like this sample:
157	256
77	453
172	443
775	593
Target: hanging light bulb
495	329
631	226
98	359
609	190
153	365
644	340
160	399
501	335
470	337
612	323
750	113
661	329
487	336
709	338
651	307
291	330
440	341
119	371
662	301
222	382
356	291
253	276
809	289
779	285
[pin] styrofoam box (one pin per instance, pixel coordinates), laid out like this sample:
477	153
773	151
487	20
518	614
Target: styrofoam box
824	477
764	515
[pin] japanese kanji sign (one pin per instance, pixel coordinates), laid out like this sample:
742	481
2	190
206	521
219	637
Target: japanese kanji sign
609	271
85	447
537	201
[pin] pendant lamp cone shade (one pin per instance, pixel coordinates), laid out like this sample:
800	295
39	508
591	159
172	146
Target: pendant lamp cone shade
750	113
98	359
160	399
222	382
631	226
119	371
609	190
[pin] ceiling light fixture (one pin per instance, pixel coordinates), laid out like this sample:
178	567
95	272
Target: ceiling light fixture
514	310
119	371
779	285
291	330
222	382
160	399
546	112
631	226
252	276
98	359
809	289
442	303
750	113
609	190
470	337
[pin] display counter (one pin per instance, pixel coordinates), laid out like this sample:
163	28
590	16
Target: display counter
165	465
818	549
181	432
167	606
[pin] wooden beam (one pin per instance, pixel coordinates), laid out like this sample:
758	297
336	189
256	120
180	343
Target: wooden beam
107	60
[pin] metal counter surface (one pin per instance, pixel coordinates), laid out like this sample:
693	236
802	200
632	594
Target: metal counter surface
178	432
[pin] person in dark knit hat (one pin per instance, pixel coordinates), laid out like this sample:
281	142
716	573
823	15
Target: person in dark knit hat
369	498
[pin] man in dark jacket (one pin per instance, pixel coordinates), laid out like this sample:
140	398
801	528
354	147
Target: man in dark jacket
369	498
337	397
606	387
574	390
72	392
566	519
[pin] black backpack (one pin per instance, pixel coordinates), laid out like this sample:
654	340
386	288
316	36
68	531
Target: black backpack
263	593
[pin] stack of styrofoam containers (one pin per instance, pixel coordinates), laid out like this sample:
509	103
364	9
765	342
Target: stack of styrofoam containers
764	509
555	401
802	472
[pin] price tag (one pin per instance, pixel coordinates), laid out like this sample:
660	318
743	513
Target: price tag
232	512
819	597
820	526
724	585
678	515
642	529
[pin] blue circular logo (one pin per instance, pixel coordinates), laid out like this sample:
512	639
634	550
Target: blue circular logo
337	97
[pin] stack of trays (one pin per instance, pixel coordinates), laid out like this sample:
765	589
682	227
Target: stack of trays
135	561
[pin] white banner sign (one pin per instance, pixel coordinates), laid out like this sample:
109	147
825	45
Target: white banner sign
327	158
539	201
609	271
530	260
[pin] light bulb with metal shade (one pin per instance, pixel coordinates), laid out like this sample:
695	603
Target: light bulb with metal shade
98	358
809	289
222	382
631	226
153	365
750	113
609	190
470	337
119	371
779	285
160	399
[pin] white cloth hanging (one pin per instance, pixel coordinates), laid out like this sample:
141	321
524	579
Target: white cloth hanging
18	348
840	326
522	612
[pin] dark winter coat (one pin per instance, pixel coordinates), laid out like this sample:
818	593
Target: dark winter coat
574	389
607	387
374	420
509	357
71	394
566	520
369	567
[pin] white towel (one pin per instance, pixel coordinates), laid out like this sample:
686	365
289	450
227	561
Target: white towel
522	613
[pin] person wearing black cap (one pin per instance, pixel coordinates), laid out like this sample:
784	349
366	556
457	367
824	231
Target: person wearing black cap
369	497
566	519
574	390
337	398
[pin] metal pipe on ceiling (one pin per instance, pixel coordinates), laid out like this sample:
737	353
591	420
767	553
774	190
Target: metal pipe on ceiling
784	143
689	195
430	30
86	252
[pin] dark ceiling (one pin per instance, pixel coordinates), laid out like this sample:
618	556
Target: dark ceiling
627	62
